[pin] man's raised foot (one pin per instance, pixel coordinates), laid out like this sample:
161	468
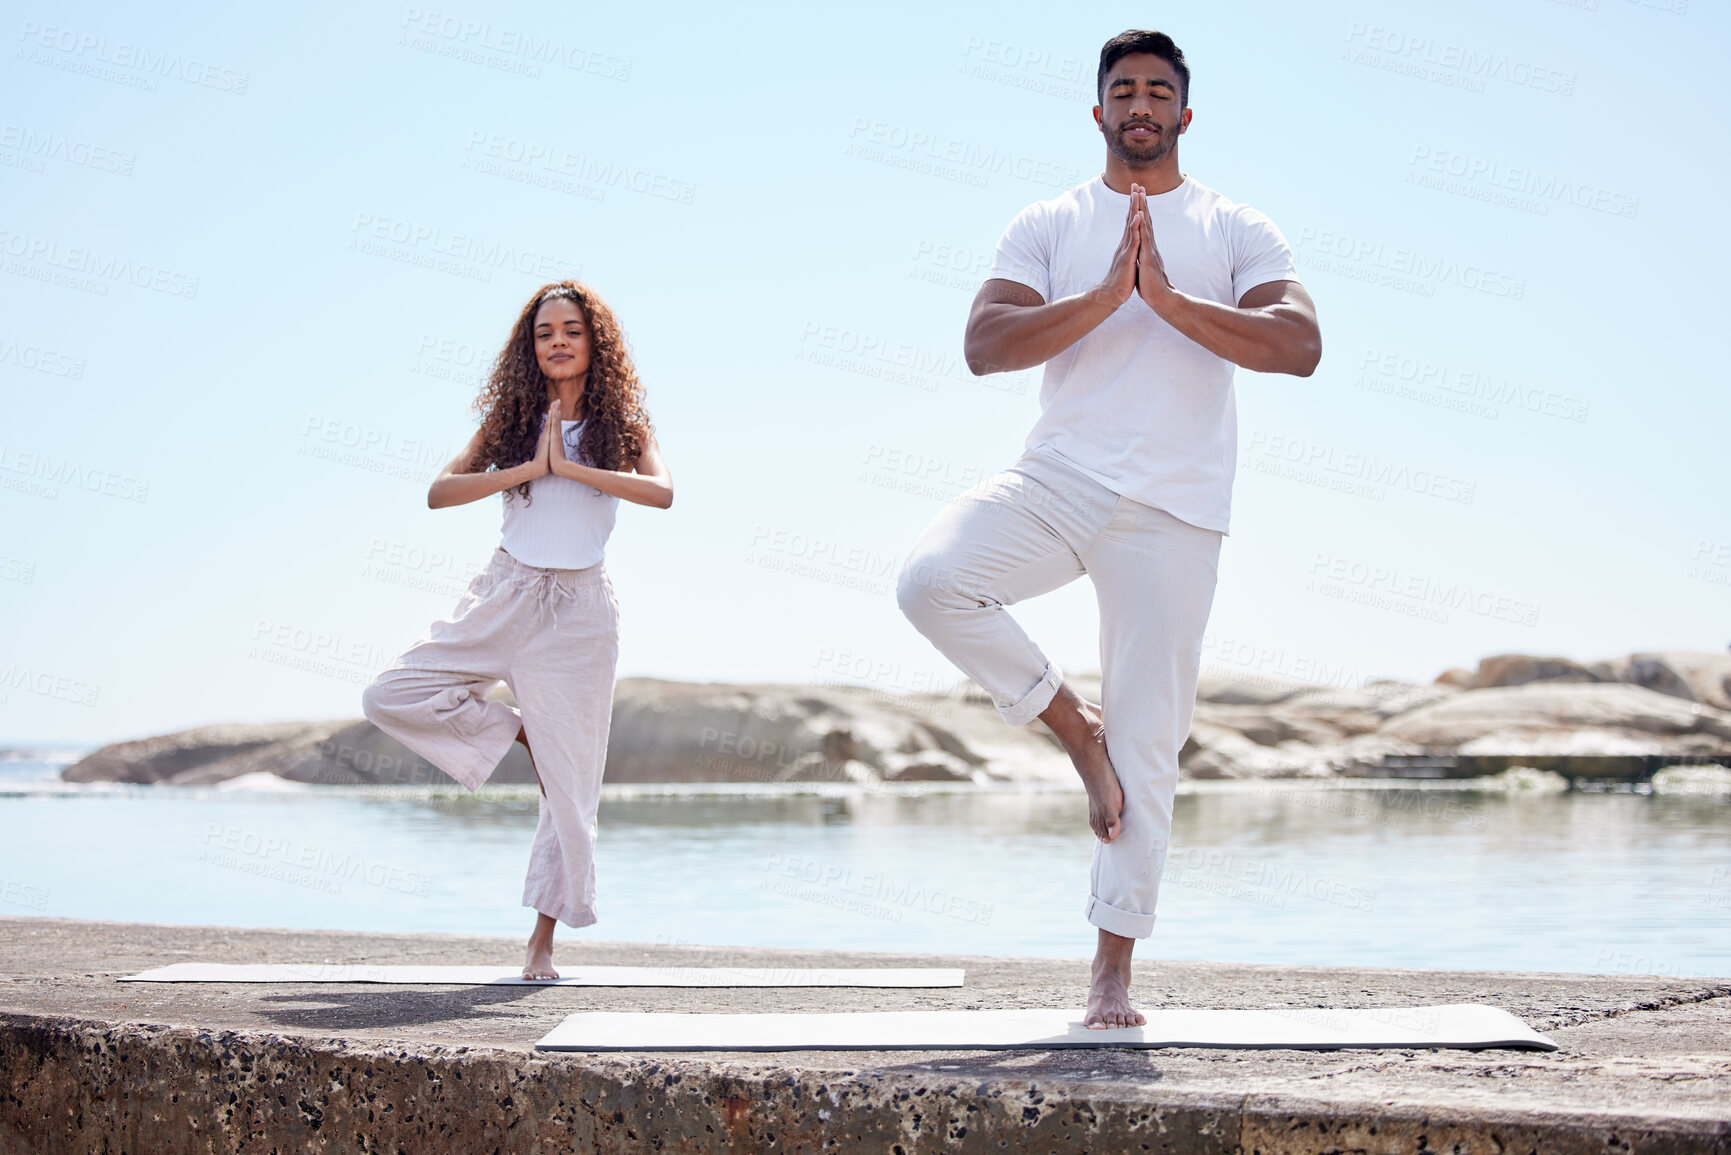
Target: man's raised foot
1079	727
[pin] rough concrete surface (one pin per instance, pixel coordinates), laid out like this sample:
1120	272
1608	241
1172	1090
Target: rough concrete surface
91	1064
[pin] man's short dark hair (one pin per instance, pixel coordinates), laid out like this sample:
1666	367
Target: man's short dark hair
1155	44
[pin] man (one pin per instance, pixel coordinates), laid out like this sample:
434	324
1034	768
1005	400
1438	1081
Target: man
1139	291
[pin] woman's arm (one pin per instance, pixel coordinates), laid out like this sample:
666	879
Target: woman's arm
649	484
459	484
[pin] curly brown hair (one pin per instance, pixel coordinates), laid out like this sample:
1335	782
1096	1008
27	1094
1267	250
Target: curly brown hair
616	427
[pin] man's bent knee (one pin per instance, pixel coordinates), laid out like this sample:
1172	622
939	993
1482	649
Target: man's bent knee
916	590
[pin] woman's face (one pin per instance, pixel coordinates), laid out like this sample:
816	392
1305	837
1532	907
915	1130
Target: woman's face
561	339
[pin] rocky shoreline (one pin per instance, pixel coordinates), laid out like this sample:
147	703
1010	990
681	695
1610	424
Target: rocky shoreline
1616	720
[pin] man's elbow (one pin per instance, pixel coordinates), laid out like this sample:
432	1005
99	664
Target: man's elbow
978	354
981	362
973	356
1304	356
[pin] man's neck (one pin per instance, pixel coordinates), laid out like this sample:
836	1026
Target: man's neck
1161	177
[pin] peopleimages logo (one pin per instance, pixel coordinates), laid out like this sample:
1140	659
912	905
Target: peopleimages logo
1365	467
448	34
40	146
551	160
1469	383
82	261
1400	51
1392	588
45	467
1544	188
878	139
1365	258
40	360
85	49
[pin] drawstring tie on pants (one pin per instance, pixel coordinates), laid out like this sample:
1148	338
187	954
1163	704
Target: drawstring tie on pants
548	590
549	586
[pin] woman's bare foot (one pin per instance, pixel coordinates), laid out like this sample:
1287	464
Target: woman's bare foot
1079	728
539	964
1109	992
523	737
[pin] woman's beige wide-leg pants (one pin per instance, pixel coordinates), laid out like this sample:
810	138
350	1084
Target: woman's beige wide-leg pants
552	636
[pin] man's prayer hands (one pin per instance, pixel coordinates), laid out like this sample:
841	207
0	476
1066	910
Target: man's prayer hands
1136	265
1120	282
1152	284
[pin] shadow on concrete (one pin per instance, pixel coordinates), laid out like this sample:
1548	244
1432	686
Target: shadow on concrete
387	1007
1081	1064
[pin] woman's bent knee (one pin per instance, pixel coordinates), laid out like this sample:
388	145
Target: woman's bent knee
377	701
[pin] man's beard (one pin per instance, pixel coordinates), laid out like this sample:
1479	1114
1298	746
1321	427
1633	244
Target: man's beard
1164	142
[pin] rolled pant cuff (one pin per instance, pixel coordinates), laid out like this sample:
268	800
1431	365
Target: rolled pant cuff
1034	702
1119	922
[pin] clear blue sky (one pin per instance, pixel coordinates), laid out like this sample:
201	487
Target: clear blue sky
254	261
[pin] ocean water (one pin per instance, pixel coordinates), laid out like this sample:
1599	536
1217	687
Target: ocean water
1438	877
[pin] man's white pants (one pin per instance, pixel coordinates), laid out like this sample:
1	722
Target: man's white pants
1028	530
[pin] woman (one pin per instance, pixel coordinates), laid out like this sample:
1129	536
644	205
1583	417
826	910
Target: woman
564	437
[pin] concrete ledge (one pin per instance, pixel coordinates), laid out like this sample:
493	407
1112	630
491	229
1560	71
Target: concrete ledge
88	1064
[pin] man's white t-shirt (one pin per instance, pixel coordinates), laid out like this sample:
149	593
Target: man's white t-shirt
1135	404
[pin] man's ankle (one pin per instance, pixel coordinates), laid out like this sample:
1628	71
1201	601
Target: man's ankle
1064	712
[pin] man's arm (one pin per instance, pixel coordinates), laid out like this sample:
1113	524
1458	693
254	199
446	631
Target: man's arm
1012	327
1273	329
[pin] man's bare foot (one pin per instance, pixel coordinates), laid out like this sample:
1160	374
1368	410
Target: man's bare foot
539	964
523	737
1079	728
1109	992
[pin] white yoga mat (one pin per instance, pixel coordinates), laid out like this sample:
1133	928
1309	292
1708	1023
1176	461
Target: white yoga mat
1457	1025
569	976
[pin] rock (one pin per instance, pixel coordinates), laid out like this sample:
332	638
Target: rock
1709	780
1523	780
185	757
1245	725
1245	688
1228	754
1519	669
661	732
1588	742
1649	671
679	732
344	753
1694	677
1264	725
1457	677
1535	717
1380	700
927	766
